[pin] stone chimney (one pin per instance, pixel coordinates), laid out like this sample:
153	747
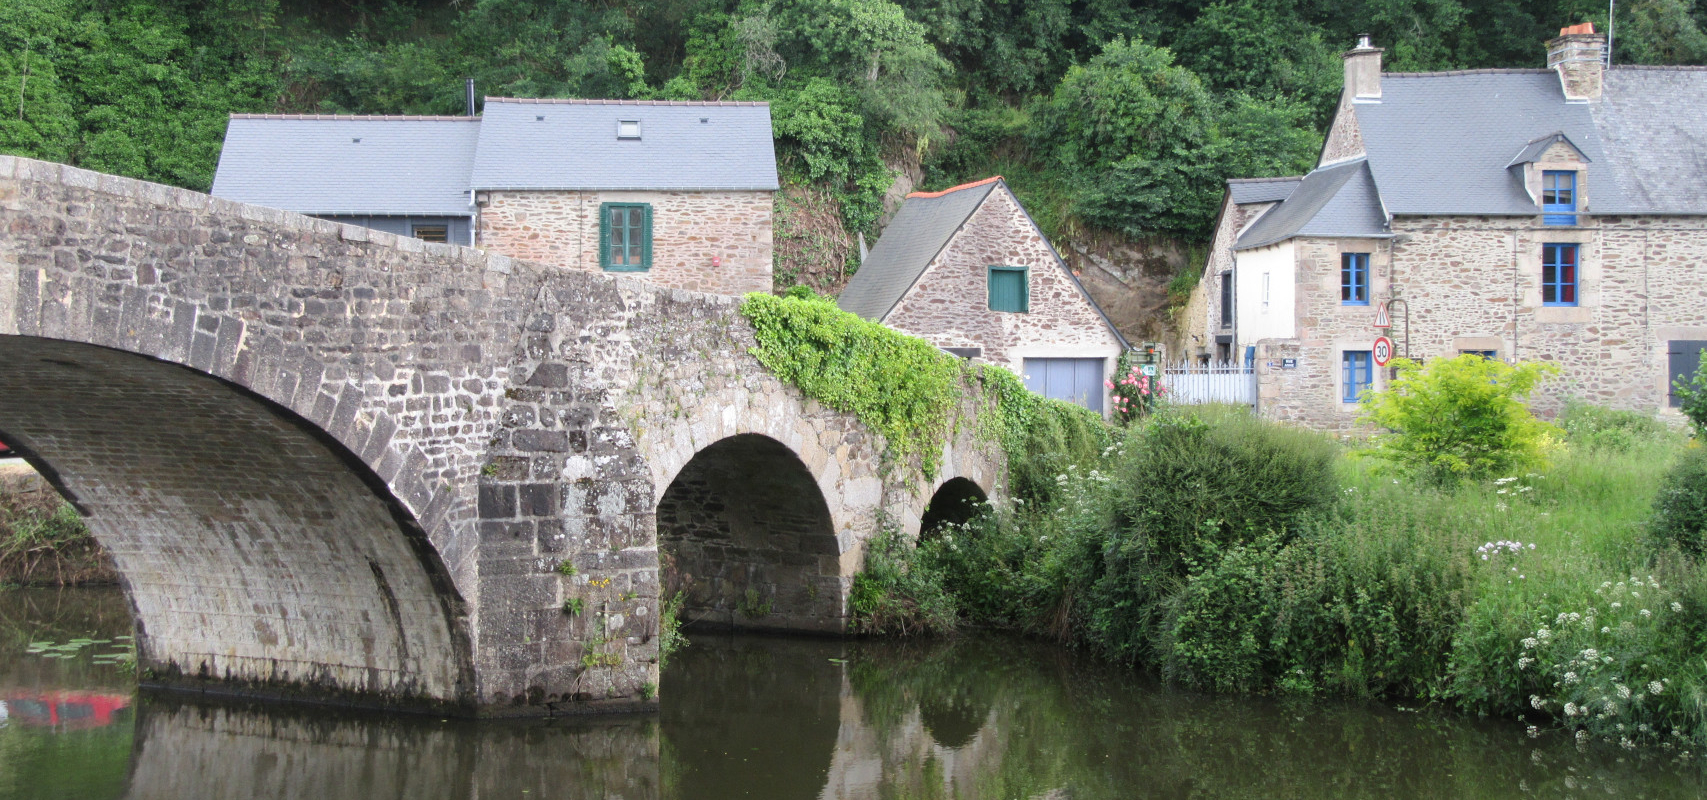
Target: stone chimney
1579	56
1363	70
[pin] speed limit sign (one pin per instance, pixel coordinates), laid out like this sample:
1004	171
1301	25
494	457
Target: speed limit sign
1383	350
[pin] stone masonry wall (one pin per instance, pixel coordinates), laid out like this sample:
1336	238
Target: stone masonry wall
689	229
510	418
1474	283
949	305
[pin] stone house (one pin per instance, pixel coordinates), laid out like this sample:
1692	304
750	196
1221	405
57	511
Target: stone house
676	193
968	270
1555	214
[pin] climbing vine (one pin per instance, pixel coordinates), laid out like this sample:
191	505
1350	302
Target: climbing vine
907	389
899	385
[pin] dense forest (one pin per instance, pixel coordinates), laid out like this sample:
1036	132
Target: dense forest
1115	121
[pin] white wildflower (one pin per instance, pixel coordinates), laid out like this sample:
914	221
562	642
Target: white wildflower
1646	613
1623	691
1676	607
1655	687
1530	643
1571	709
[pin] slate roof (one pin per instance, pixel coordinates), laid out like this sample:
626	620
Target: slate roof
572	144
427	166
920	229
1444	142
1338	200
349	164
1262	190
1652	123
1537	148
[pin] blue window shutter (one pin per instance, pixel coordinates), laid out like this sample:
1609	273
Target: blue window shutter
1682	359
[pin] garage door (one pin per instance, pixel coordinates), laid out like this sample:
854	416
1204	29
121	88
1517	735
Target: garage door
1076	380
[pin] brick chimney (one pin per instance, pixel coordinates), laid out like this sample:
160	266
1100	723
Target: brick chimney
1363	70
1579	56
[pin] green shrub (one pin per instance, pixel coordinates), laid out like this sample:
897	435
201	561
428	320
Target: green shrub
1192	485
1459	418
898	592
1680	509
1219	478
1599	428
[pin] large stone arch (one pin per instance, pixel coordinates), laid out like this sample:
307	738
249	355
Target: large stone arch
256	550
750	540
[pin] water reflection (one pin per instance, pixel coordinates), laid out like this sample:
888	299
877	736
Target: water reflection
762	717
188	750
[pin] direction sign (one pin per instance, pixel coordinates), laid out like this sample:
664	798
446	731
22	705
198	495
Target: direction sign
1381	318
1383	350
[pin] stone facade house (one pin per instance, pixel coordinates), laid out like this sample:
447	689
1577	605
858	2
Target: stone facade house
969	270
1555	214
676	193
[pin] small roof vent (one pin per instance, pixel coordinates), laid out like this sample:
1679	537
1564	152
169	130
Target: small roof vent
356	140
628	129
1363	41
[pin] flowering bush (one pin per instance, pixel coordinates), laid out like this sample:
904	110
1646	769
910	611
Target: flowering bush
1132	393
1601	670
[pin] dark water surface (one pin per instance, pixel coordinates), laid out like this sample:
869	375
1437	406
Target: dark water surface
753	717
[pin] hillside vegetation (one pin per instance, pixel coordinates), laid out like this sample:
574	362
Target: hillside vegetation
1115	121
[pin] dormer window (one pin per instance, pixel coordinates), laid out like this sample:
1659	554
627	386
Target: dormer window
628	129
1559	197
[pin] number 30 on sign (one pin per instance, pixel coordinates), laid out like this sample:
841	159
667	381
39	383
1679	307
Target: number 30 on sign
1383	350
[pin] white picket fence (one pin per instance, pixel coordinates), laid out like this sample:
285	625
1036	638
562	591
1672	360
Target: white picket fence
1214	382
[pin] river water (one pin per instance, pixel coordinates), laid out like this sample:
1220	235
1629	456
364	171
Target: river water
761	717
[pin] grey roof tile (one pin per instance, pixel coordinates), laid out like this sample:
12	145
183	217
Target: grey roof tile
1536	148
1439	143
543	144
1262	190
316	165
920	229
1337	200
1652	123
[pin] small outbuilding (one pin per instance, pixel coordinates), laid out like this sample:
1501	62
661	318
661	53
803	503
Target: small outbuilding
968	270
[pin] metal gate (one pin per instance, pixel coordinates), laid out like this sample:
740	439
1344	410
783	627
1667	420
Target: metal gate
1211	382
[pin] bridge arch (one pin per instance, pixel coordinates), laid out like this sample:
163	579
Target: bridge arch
955	502
749	539
309	576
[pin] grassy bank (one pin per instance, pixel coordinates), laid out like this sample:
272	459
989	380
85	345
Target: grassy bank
1229	554
43	542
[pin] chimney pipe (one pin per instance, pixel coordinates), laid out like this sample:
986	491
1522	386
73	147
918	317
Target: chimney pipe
1363	70
469	96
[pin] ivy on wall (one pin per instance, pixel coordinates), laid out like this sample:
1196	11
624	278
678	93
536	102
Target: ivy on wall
902	386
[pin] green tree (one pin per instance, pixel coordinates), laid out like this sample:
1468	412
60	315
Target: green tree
1662	32
872	46
1460	418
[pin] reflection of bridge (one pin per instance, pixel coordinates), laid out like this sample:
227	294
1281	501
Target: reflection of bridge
333	462
759	717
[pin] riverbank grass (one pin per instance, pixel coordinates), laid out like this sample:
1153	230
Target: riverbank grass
1231	554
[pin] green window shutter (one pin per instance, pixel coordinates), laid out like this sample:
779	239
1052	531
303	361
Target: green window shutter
646	239
604	235
1009	290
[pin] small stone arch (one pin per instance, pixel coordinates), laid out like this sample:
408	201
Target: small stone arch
255	549
955	502
749	539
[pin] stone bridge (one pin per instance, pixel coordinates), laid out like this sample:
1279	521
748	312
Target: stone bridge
334	464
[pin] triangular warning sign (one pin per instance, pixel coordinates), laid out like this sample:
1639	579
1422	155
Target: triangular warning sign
1381	320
